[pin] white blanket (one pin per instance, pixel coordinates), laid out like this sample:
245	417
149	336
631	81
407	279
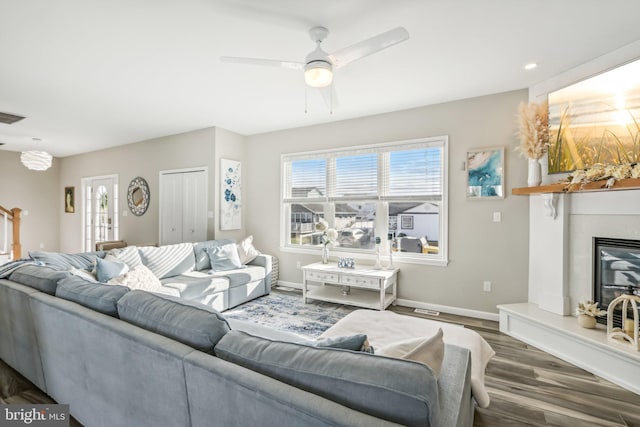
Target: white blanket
385	327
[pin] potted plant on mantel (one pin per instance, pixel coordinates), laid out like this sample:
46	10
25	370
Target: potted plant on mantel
534	137
587	312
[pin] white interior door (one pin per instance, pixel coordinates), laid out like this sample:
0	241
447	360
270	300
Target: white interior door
100	208
194	207
183	206
171	208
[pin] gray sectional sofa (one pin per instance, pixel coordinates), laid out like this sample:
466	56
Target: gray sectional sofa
184	270
124	357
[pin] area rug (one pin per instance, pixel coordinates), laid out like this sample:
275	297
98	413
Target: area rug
285	311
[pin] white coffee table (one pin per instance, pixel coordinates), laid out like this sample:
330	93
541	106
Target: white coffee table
362	286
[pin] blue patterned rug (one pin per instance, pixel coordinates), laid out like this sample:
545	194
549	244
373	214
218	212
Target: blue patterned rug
285	311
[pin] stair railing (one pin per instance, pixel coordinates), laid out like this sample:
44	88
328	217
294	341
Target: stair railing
13	216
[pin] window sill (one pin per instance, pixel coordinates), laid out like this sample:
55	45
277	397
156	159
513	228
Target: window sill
398	257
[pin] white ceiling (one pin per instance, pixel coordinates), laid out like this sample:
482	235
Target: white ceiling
90	74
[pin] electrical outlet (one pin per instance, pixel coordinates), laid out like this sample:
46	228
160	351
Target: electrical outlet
486	286
298	265
41	245
497	216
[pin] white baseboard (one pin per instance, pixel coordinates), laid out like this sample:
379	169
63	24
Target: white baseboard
417	304
290	284
448	309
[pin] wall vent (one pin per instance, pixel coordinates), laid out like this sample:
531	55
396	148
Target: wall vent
9	118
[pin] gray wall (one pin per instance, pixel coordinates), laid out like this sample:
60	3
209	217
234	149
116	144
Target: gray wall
145	159
230	146
34	191
479	249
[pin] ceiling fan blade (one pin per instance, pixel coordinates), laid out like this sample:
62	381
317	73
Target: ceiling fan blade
259	61
330	98
367	47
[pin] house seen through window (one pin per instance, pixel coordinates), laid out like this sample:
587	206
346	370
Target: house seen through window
394	191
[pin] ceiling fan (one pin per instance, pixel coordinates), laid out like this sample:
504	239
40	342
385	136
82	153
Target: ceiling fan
318	65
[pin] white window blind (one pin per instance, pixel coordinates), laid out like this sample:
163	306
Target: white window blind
356	176
388	172
306	179
414	173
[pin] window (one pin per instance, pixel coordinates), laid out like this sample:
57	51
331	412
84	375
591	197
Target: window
395	191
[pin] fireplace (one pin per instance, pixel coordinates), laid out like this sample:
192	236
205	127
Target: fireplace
616	267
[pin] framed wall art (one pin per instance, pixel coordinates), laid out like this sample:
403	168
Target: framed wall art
230	195
485	173
70	199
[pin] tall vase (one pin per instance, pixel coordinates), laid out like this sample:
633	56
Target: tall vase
325	254
534	178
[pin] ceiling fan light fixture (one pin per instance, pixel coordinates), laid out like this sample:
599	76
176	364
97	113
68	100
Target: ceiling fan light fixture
36	160
318	74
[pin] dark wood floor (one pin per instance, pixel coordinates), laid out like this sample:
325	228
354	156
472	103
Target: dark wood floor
528	387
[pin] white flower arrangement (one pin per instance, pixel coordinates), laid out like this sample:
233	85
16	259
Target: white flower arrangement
611	173
329	235
589	308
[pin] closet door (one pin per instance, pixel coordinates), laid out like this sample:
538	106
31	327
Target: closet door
194	207
183	206
171	186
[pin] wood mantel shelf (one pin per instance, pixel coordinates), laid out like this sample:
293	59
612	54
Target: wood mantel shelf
563	187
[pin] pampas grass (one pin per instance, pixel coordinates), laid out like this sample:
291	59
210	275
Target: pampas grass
534	129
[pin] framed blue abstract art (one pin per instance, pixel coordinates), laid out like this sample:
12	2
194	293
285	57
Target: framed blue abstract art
230	195
485	173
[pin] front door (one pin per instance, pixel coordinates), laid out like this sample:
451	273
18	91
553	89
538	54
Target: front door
101	223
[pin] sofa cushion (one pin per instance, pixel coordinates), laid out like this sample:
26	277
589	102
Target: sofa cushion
193	324
246	251
241	276
96	296
396	390
200	252
195	284
224	258
110	267
60	261
128	255
40	277
169	260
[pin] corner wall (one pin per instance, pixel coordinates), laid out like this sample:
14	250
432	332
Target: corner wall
39	194
479	249
145	159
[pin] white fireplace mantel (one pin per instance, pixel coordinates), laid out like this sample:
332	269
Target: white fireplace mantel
564	338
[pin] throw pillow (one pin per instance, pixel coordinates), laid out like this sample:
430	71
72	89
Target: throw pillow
86	275
357	342
108	268
429	351
168	260
224	258
139	277
246	251
200	250
129	255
